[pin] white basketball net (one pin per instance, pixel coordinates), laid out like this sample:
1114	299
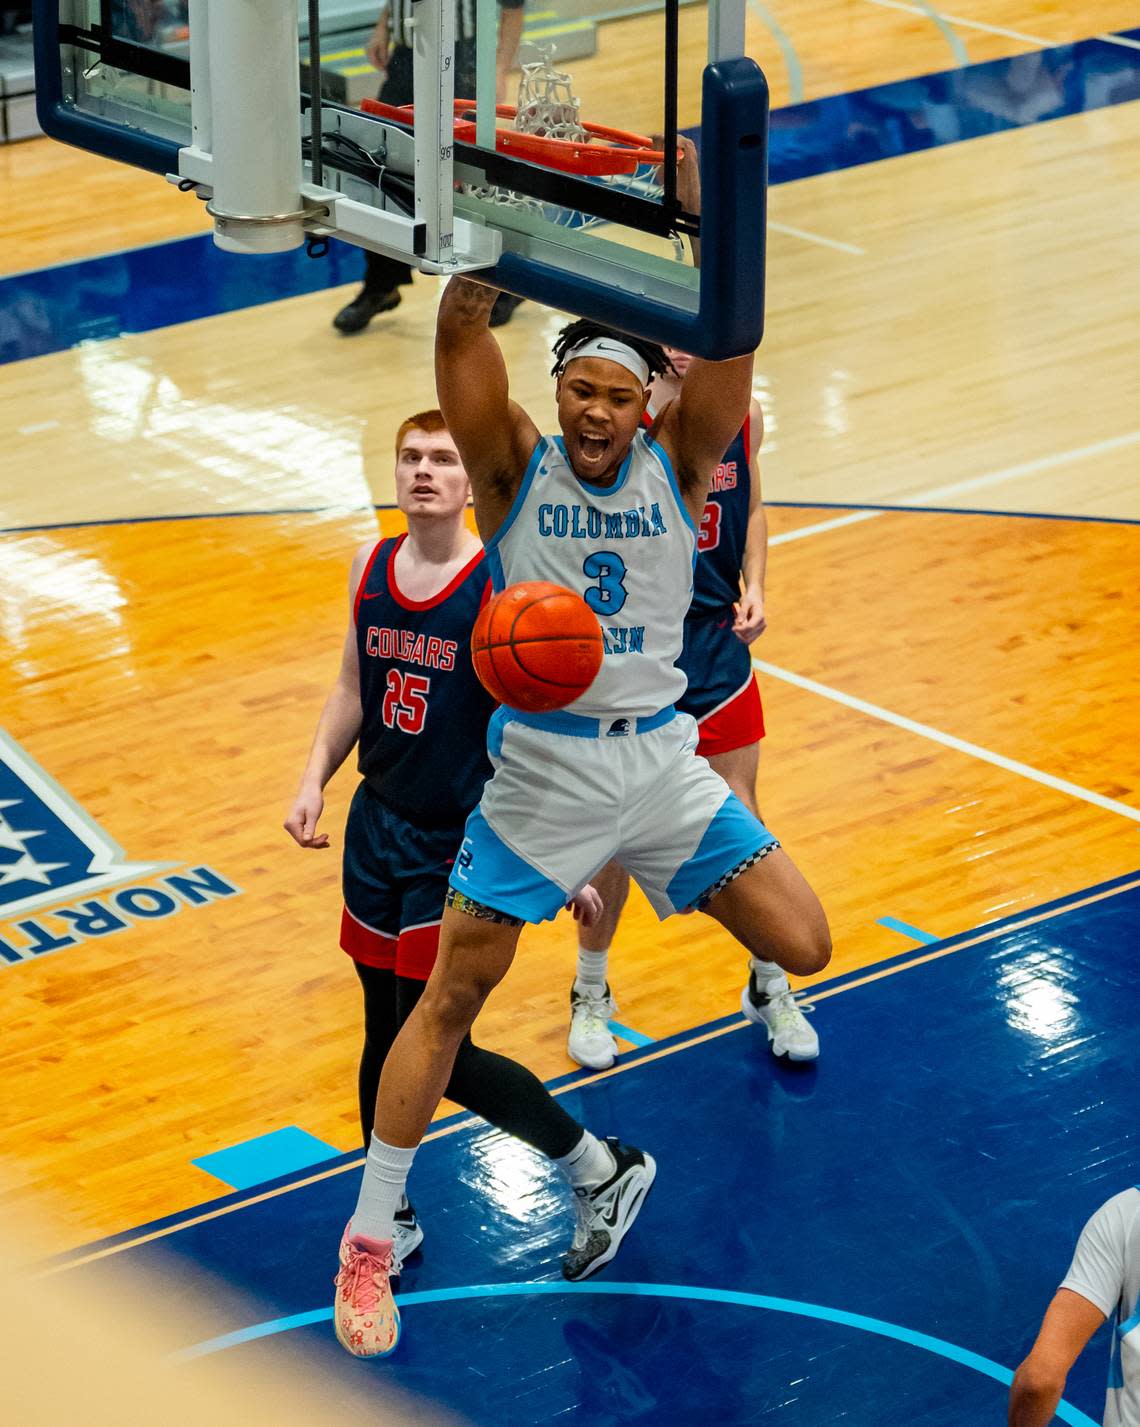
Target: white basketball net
548	106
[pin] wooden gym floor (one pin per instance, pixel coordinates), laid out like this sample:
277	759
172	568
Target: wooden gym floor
950	694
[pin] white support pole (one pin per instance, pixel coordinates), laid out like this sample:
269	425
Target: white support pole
433	81
200	117
255	85
726	29
486	54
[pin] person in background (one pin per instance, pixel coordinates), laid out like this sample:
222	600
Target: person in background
389	50
726	615
1103	1281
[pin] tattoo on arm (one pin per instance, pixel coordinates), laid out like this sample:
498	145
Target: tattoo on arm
469	303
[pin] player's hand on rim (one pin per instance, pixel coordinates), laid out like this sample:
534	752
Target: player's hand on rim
688	172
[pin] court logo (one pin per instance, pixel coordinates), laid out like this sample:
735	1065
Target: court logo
53	852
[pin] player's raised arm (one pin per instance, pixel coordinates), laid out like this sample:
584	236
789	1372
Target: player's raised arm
495	437
698	427
715	396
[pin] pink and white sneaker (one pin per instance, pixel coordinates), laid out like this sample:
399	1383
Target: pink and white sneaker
365	1315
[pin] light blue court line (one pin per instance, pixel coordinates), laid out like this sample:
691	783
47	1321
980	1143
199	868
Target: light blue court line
952	38
791	59
266	1157
687	1293
893	924
634	1037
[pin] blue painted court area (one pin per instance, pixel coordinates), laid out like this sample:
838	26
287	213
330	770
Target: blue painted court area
266	1157
869	1240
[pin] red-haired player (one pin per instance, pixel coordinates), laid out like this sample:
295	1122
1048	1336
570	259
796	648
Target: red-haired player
408	698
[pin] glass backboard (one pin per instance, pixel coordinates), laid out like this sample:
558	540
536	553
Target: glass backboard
216	96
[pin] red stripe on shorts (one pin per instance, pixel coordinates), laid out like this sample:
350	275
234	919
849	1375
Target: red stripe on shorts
369	947
416	951
735	724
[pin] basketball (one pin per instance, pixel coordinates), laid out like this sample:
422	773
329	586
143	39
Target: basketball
536	647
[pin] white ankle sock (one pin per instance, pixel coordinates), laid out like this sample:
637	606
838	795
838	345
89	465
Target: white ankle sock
382	1188
592	968
770	978
588	1164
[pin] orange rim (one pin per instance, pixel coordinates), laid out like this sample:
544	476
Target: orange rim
616	151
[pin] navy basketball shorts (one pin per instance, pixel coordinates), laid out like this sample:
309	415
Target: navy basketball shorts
570	793
395	881
723	695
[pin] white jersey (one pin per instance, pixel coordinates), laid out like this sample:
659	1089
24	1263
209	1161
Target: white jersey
628	549
1106	1271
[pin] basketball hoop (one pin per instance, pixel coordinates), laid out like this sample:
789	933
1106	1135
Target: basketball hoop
602	152
547	129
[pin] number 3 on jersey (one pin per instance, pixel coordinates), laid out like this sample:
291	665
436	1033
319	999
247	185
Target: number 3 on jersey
405	701
708	537
609	594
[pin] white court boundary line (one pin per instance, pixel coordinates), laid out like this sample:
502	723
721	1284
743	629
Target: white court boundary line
971	483
1001	30
810	237
948	740
856	518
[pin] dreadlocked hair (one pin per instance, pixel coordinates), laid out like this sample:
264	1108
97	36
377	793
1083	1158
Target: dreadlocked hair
575	333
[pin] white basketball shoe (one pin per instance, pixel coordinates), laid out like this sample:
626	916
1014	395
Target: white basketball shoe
591	1042
768	1001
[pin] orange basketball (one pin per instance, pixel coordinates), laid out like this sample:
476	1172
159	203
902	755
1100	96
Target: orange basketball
536	646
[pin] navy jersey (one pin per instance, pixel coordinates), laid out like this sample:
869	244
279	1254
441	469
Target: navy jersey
423	739
724	530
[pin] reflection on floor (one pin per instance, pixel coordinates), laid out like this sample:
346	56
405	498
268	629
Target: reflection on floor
910	1204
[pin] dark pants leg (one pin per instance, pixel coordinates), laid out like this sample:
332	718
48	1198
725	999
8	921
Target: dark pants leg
380	1027
383	274
499	1090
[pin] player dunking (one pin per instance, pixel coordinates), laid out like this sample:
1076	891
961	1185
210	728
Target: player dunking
726	615
610	511
407	694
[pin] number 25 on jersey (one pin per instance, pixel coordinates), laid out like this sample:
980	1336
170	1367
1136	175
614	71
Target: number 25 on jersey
405	701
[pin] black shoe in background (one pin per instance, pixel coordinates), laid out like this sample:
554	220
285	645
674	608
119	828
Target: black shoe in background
504	309
356	315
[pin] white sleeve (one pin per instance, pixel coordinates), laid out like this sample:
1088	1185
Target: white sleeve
1097	1270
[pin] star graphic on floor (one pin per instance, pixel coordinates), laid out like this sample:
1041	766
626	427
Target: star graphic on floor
25	868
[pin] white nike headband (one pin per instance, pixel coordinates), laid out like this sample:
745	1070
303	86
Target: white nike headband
613	351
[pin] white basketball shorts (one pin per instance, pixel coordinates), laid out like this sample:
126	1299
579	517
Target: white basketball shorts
570	793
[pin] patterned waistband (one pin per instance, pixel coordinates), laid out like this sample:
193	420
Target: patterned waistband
578	726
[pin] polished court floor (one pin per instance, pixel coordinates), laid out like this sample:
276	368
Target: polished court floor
854	1241
190	455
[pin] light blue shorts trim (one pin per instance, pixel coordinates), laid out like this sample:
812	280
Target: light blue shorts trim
733	836
581	726
487	871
